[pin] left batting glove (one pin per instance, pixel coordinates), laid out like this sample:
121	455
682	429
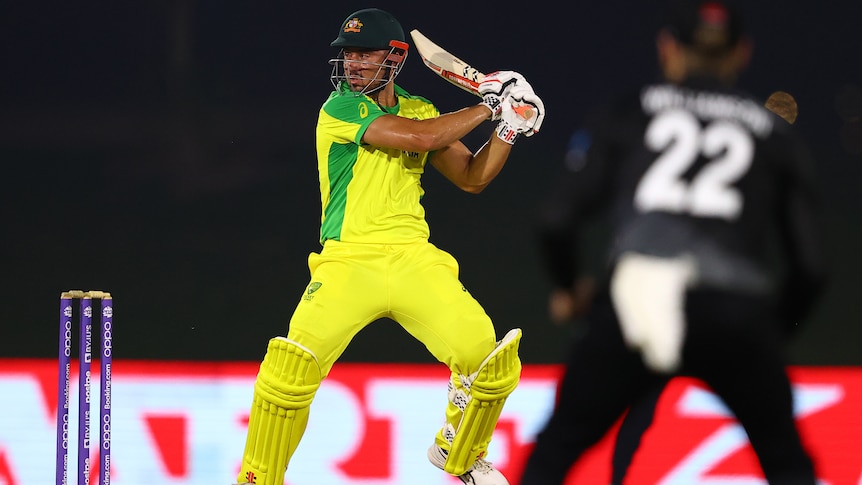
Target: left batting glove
523	112
495	88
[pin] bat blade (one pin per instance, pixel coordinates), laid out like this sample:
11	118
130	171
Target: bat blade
446	65
453	69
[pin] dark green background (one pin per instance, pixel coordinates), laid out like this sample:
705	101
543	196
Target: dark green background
163	151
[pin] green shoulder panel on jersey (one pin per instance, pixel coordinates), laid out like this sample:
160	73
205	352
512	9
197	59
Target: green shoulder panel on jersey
344	117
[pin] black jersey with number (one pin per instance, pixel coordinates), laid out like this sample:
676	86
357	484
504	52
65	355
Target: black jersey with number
700	170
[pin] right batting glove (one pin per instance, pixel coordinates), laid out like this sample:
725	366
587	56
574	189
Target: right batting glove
495	88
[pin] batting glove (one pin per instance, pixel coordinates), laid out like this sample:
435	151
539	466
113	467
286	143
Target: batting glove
505	130
523	110
495	88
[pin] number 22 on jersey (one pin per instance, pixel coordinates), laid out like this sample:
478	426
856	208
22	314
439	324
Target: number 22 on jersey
680	139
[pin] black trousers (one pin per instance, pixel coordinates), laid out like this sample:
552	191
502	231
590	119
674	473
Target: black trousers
732	343
635	423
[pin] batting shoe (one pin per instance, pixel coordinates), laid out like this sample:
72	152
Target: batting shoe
481	473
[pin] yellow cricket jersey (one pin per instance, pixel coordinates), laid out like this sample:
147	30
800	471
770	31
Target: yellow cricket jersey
369	194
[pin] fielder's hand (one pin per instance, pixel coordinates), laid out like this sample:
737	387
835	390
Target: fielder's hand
523	112
495	88
567	304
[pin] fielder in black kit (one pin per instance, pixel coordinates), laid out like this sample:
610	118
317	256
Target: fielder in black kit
697	180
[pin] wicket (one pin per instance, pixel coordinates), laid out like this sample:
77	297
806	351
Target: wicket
85	344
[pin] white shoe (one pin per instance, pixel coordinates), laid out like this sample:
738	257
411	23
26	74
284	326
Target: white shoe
481	473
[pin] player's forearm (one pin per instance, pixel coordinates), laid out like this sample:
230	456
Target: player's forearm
451	127
424	135
485	165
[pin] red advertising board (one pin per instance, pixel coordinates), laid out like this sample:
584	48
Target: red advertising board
184	423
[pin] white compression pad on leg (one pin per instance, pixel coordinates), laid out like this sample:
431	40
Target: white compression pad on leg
481	397
288	379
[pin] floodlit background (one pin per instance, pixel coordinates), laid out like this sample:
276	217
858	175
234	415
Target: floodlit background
163	151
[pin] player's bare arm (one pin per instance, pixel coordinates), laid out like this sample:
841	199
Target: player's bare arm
424	135
472	172
518	110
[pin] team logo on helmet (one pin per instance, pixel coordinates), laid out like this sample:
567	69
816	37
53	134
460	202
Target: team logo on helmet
353	25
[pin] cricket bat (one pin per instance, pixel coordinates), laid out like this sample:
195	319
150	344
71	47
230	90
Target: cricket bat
447	65
453	69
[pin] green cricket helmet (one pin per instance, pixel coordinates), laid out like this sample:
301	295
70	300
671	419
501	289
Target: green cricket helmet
369	28
374	29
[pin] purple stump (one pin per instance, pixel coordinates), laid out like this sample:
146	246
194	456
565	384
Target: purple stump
105	360
85	357
64	364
